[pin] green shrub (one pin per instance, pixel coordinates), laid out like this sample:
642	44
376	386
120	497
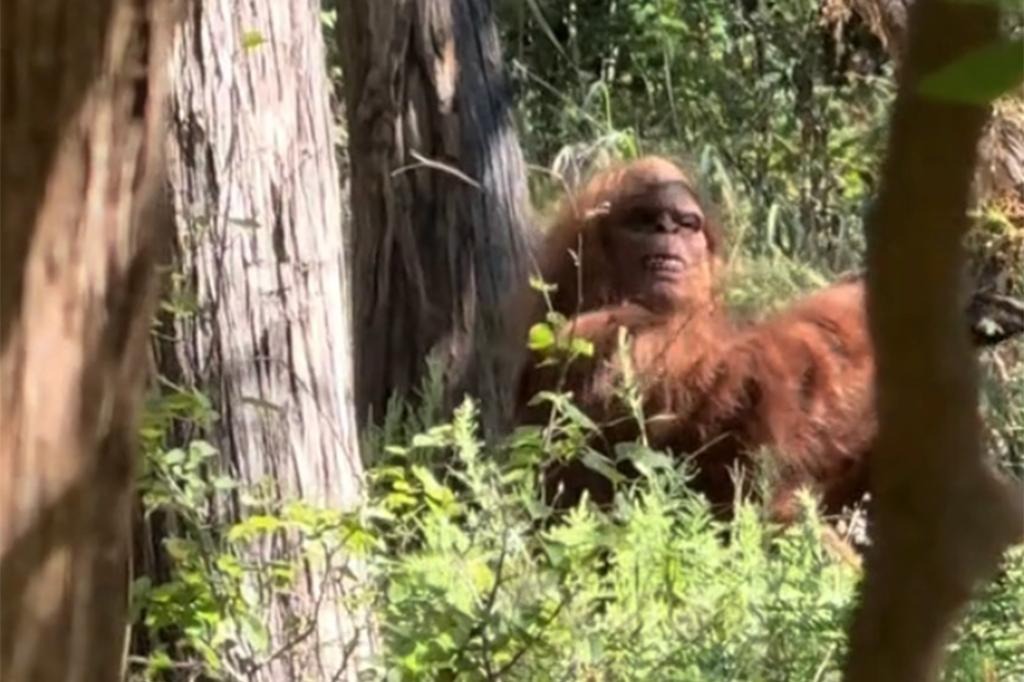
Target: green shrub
484	583
472	577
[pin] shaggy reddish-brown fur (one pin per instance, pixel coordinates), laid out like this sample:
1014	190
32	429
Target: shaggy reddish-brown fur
793	390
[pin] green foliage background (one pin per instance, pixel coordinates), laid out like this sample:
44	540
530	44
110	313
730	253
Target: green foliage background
783	123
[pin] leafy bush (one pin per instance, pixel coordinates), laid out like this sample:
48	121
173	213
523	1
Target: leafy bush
472	577
490	585
202	605
485	583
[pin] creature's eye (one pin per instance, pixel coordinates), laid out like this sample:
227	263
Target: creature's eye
688	220
644	214
640	217
654	219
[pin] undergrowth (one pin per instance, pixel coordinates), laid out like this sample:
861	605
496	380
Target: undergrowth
470	576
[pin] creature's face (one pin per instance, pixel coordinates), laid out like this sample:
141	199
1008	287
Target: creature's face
657	246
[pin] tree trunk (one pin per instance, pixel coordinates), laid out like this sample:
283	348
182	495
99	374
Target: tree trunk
261	245
83	91
942	516
439	200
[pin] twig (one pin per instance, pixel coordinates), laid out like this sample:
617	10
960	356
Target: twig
314	619
823	666
436	165
481	627
533	638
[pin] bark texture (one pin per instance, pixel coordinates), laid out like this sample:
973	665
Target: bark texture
943	516
83	92
439	200
261	246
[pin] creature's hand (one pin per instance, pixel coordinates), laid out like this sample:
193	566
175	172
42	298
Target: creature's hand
602	326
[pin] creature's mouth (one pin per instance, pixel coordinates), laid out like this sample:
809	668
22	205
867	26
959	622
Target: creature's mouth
663	263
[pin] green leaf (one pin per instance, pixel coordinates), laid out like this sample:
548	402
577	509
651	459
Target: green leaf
576	416
283	575
159	662
379	514
140	591
141	587
202	449
541	336
254	631
224	483
581	348
254	525
556	319
172	457
539	284
252	40
399	501
980	76
428	440
302	514
602	465
431	488
229	565
178	548
647	461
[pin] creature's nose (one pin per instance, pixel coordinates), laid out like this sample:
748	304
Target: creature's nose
664	223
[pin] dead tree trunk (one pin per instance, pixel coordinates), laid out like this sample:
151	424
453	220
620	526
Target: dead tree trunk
439	199
83	91
261	245
942	515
